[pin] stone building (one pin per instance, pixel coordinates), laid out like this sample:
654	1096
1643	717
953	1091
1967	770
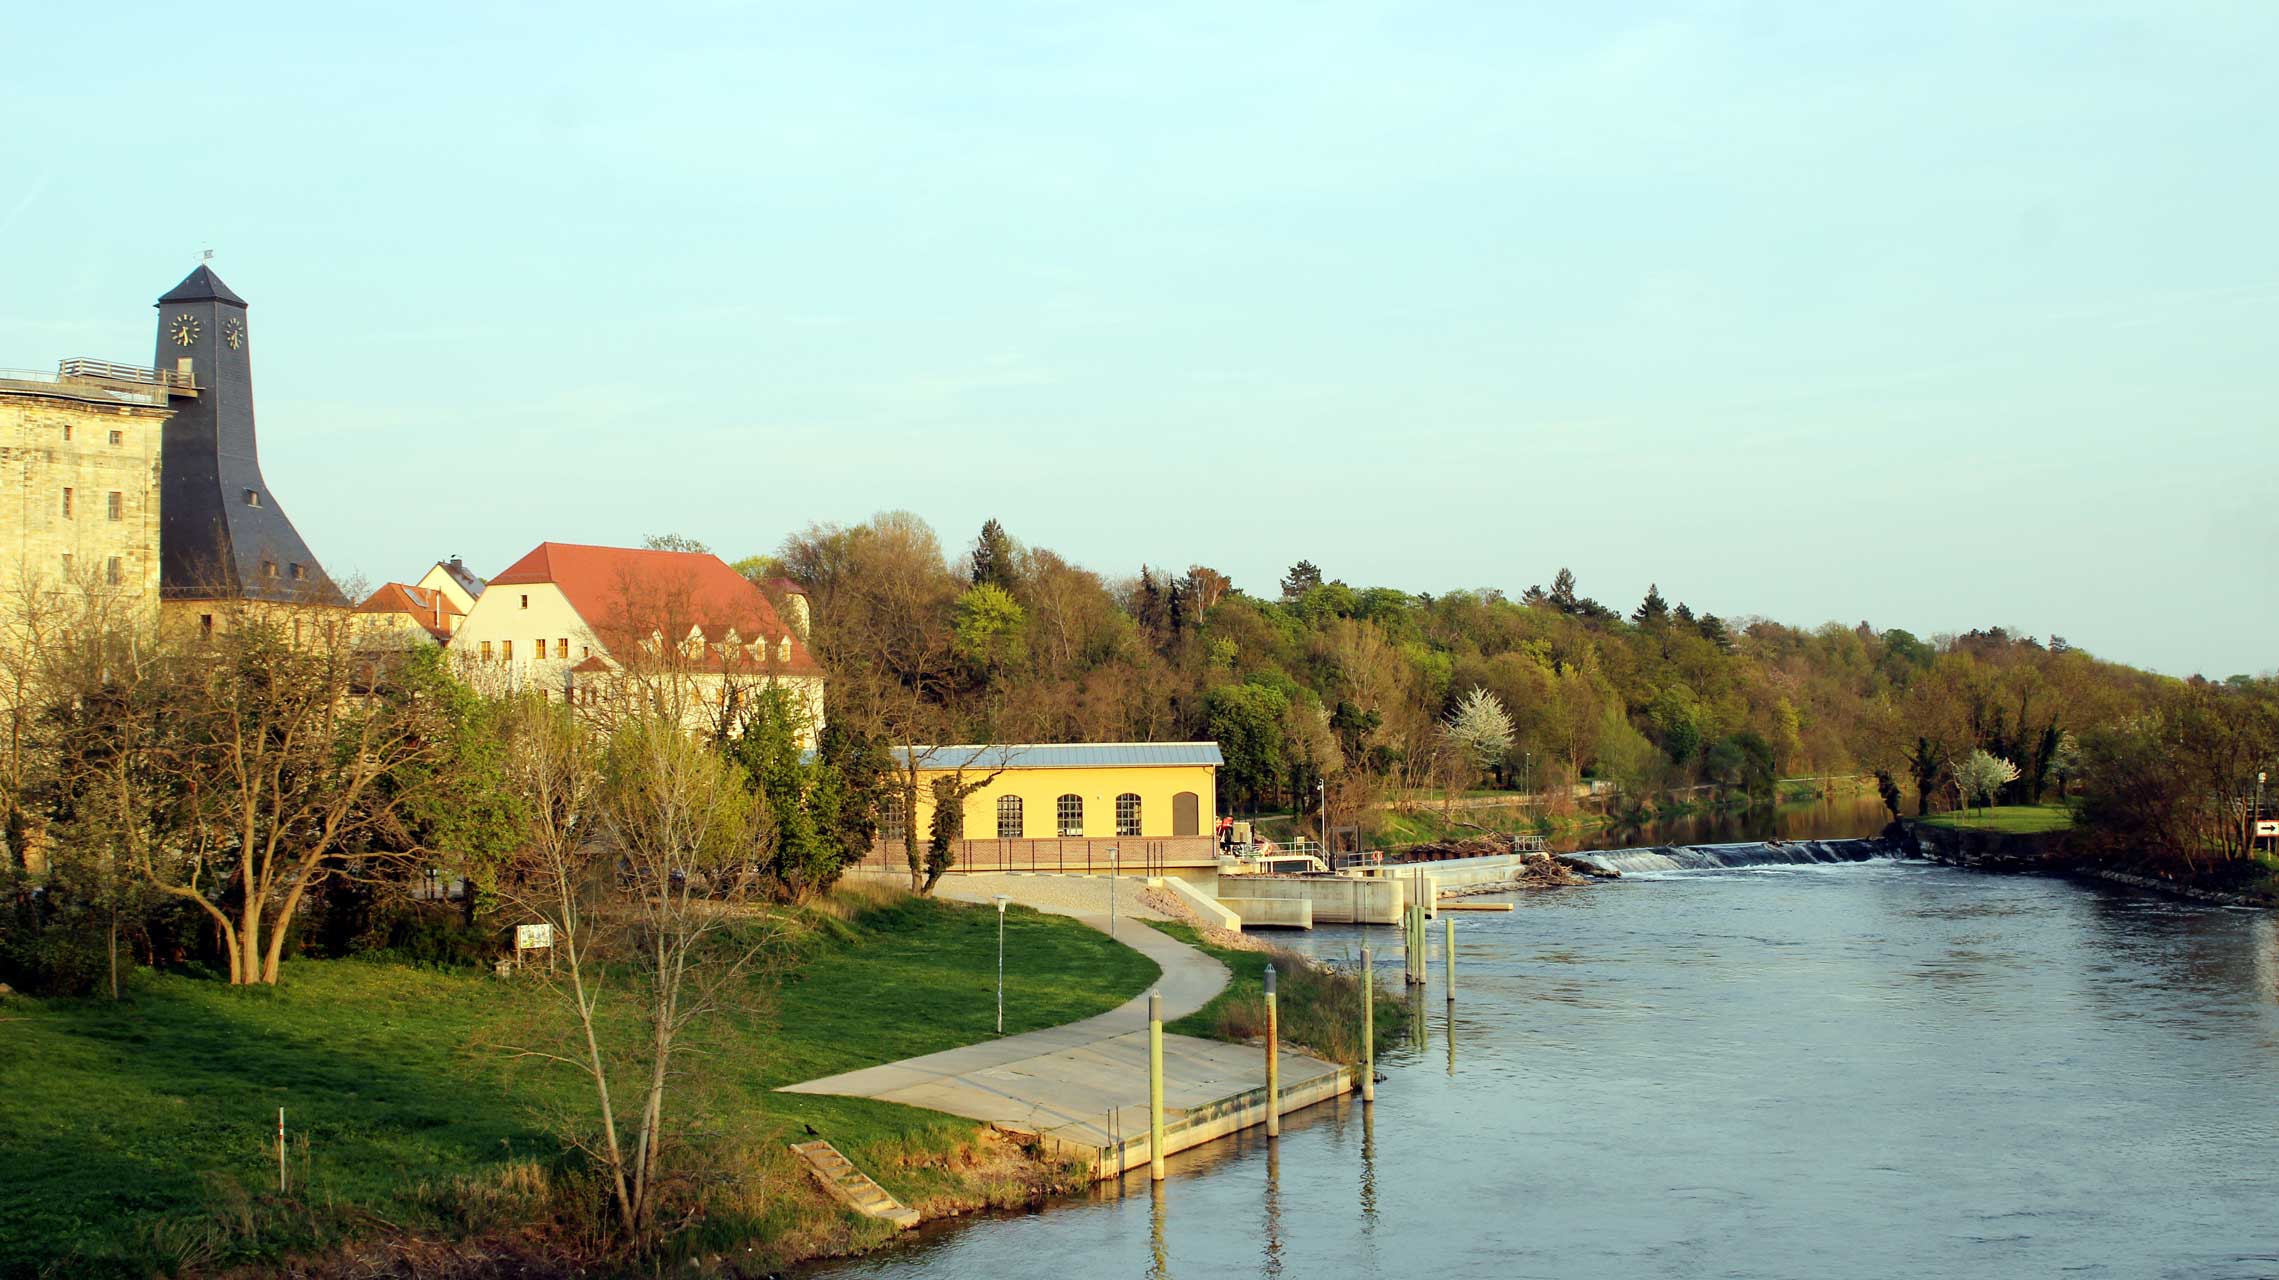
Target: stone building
80	483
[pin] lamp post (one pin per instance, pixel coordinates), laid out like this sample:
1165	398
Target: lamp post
1002	899
1322	785
1111	891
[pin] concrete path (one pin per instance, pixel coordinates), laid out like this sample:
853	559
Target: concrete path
1073	1082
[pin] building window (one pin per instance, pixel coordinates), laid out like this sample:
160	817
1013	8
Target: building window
67	502
300	573
1127	814
486	651
585	650
115	505
268	568
1008	817
562	648
115	571
526	602
253	497
1071	812
542	648
206	623
67	433
118	437
506	650
892	823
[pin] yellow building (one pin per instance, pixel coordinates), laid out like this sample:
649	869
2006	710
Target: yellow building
81	451
1064	807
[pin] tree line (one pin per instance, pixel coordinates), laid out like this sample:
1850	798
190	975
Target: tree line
1373	692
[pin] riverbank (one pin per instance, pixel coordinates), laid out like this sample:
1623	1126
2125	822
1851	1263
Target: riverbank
140	1135
2035	842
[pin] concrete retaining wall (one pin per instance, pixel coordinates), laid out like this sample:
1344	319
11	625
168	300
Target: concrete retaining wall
1277	913
1205	907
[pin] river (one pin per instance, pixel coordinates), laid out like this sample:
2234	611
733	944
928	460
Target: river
1878	1069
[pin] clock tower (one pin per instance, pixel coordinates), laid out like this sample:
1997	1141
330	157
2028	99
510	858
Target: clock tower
222	533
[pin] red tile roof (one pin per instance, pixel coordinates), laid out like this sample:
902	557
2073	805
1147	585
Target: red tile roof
427	608
626	594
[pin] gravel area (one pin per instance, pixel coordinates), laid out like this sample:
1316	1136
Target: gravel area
1061	895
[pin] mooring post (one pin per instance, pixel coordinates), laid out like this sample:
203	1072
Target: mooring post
1448	958
1155	1085
1273	1060
1368	1029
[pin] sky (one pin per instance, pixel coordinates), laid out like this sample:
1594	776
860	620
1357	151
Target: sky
1931	316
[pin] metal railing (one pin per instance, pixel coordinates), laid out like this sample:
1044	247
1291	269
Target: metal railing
81	367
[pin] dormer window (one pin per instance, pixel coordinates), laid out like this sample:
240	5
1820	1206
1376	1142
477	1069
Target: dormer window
268	568
783	649
300	573
253	497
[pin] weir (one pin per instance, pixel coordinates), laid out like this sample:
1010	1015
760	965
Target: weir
1754	853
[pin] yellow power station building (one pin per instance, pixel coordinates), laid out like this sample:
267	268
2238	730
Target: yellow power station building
1145	806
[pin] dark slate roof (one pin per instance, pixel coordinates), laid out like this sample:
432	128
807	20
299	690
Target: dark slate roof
1072	755
462	575
201	285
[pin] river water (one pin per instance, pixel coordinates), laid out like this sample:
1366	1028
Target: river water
1878	1069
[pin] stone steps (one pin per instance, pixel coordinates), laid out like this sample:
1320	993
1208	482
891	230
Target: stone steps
852	1186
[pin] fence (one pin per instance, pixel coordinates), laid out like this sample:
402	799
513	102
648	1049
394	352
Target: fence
1087	856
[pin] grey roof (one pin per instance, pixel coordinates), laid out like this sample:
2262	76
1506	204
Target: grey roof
201	285
1069	755
461	574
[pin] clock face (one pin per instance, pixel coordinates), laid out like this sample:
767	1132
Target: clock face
185	329
233	333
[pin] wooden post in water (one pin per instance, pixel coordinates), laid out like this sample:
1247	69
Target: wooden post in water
1448	955
1273	1060
1155	1086
1368	1029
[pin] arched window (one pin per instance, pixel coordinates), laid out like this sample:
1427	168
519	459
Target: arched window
1071	816
1127	814
891	820
1008	817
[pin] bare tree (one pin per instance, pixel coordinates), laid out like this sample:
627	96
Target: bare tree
640	854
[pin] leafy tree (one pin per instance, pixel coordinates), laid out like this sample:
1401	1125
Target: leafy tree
1303	576
995	558
1246	719
1480	728
1653	610
1982	775
990	628
673	542
1888	787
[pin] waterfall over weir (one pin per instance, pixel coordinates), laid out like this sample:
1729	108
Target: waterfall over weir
1707	857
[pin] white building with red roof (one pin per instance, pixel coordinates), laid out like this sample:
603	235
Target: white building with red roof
617	629
401	616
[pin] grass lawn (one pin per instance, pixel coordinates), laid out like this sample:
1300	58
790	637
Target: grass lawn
140	1136
2011	819
1318	1010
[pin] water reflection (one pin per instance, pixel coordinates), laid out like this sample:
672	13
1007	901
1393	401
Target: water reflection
1162	1268
1756	1074
1273	1259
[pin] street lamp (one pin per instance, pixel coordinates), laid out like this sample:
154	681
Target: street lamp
1322	785
1111	891
1002	899
2252	839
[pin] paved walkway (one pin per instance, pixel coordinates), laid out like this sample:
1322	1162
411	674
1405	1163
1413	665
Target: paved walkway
1074	1081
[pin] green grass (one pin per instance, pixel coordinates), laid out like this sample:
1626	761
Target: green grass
140	1136
1317	1009
2010	819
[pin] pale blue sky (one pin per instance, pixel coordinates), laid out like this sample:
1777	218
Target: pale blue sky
1936	316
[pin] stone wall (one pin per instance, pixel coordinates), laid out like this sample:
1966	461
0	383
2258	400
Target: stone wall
52	440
